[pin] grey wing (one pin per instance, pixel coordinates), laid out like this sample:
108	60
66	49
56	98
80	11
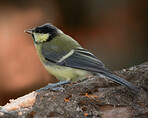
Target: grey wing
76	58
83	59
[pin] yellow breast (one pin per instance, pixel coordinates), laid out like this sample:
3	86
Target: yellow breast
66	73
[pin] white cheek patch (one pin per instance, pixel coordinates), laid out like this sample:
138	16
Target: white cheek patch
41	37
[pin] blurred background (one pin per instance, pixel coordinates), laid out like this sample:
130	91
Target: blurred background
114	30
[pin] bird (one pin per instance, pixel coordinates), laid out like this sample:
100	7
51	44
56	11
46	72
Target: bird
64	58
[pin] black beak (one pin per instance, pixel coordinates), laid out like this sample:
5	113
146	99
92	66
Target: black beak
29	31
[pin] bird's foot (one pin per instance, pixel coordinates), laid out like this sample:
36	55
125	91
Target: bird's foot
55	86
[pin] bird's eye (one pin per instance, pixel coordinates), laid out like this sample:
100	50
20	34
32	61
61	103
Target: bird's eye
37	30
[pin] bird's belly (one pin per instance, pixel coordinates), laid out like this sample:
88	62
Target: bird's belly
66	73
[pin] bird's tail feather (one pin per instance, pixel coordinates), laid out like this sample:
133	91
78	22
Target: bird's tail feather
121	81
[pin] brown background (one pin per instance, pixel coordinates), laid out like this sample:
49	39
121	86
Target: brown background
115	31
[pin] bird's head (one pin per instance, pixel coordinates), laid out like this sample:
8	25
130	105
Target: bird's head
43	33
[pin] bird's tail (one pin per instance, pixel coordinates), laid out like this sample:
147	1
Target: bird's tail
121	81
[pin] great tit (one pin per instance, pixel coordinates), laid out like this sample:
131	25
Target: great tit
64	57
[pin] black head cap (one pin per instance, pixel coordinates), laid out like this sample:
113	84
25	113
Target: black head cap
46	28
